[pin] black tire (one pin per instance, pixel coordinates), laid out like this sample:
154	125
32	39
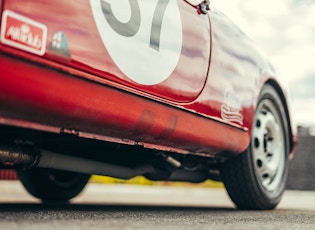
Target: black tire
52	185
256	179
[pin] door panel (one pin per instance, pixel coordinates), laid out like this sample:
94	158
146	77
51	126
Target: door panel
160	48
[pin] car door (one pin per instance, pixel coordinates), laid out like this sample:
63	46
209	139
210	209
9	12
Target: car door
157	48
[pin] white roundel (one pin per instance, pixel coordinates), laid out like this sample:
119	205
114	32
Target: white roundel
144	38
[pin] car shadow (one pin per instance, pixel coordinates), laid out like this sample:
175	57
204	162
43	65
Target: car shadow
18	207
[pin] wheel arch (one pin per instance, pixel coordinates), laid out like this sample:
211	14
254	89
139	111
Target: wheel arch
285	97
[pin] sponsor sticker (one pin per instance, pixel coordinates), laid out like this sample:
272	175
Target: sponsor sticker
231	109
59	44
23	33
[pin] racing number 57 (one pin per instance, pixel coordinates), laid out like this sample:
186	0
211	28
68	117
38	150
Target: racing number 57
131	27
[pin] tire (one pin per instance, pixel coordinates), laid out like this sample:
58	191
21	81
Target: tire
256	179
52	185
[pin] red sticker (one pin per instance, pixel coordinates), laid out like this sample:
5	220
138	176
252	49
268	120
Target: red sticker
23	33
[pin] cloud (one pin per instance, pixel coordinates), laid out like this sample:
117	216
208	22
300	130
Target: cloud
303	113
304	88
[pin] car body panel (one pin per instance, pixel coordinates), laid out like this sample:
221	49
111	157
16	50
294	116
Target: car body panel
147	123
204	106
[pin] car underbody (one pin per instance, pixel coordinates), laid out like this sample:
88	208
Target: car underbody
24	149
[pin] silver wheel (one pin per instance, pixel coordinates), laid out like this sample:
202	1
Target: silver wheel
268	146
256	178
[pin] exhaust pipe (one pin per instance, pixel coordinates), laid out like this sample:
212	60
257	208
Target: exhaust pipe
69	163
23	156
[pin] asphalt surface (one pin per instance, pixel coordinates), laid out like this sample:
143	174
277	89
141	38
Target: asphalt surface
150	207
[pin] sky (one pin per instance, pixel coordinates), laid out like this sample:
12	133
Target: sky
285	31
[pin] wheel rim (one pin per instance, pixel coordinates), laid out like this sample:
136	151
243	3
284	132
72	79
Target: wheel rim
268	146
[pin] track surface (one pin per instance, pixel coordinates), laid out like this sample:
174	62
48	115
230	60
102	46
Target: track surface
122	207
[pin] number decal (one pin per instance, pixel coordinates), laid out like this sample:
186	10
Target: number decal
126	29
131	27
143	38
157	23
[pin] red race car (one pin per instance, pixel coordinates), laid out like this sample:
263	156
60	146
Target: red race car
168	89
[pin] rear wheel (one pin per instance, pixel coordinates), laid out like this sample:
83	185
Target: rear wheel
52	185
256	179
